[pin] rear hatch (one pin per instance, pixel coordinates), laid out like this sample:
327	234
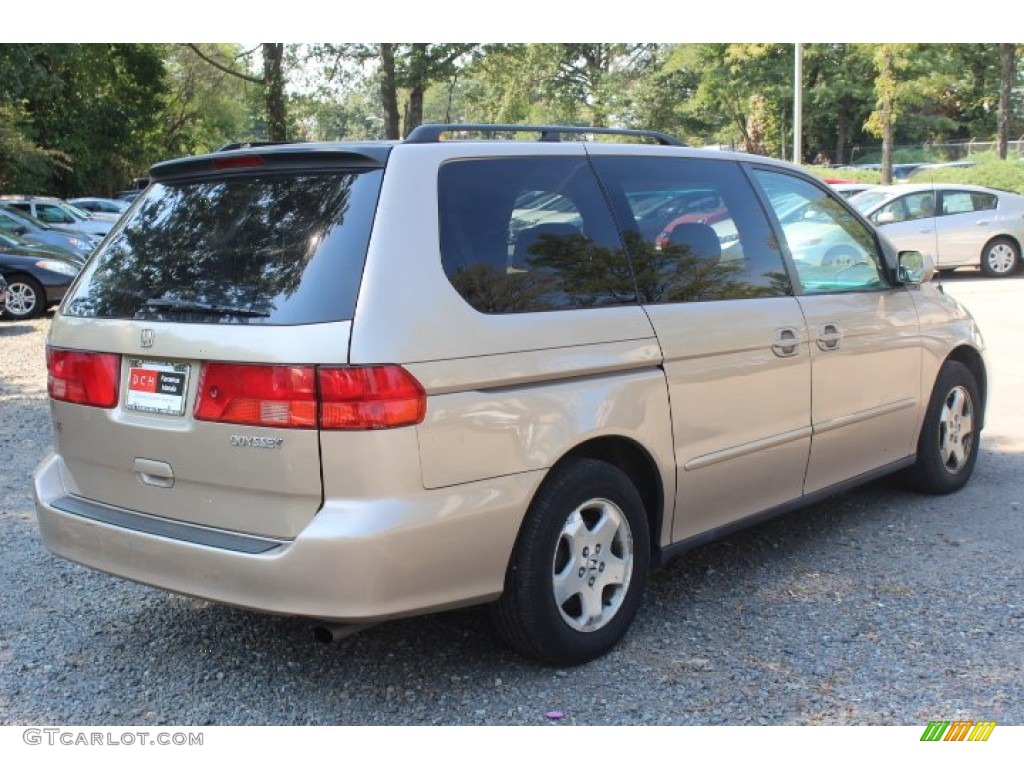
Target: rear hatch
187	362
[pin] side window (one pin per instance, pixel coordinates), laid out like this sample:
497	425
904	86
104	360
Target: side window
51	214
920	205
530	234
694	229
956	202
983	201
831	249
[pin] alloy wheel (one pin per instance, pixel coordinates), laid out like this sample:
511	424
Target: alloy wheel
956	429
593	564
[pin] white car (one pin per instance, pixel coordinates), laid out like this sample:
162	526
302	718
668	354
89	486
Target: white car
960	225
849	189
58	213
101	205
811	233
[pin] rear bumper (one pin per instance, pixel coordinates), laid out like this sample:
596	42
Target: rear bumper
355	562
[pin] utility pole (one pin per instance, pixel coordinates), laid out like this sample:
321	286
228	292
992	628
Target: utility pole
798	102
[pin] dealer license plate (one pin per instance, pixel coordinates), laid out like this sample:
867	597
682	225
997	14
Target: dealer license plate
157	386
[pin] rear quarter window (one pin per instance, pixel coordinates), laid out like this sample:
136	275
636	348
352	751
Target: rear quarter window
279	249
528	234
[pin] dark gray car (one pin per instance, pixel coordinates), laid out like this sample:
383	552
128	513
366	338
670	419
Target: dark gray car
35	231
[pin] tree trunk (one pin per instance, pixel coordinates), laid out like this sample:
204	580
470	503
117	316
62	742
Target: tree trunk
888	138
1006	61
389	91
885	85
414	116
273	79
841	133
418	76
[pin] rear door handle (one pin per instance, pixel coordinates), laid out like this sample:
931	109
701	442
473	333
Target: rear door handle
830	337
155	473
786	342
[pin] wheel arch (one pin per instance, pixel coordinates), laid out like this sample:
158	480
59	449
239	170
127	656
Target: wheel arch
1013	240
1002	236
970	357
639	465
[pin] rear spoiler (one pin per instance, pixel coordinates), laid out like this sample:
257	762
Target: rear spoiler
273	158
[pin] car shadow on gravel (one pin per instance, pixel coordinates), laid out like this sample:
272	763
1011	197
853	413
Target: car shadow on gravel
8	329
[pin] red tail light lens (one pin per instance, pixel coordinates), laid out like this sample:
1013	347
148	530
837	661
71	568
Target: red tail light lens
370	397
85	378
259	395
360	397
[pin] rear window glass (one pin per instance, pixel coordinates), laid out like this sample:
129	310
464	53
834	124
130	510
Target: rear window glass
272	249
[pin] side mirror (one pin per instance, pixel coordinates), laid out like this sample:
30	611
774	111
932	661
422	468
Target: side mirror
885	217
916	267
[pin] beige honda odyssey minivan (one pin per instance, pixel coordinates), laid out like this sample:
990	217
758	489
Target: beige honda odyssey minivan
356	382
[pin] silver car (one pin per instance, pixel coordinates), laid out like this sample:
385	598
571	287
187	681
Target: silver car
959	225
360	381
58	213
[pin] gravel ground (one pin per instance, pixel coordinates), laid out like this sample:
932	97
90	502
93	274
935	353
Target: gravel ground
877	607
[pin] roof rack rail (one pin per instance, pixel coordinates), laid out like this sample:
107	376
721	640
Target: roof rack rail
248	144
429	133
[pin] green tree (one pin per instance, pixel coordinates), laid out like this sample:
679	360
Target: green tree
24	164
203	107
272	81
1007	72
837	99
97	105
892	60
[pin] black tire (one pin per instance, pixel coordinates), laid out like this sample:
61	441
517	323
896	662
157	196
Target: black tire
947	448
25	298
1000	257
557	544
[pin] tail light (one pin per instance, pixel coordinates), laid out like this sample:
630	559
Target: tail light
259	395
370	397
85	378
343	397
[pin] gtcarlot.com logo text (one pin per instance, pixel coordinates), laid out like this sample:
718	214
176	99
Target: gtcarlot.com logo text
76	737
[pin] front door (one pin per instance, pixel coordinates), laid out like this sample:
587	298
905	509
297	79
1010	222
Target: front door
736	360
865	348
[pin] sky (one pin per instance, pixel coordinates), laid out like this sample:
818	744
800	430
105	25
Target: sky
510	21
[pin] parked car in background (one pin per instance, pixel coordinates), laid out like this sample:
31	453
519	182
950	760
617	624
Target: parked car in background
960	225
100	205
55	211
34	283
11	242
850	188
3	292
900	171
15	222
920	173
133	191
